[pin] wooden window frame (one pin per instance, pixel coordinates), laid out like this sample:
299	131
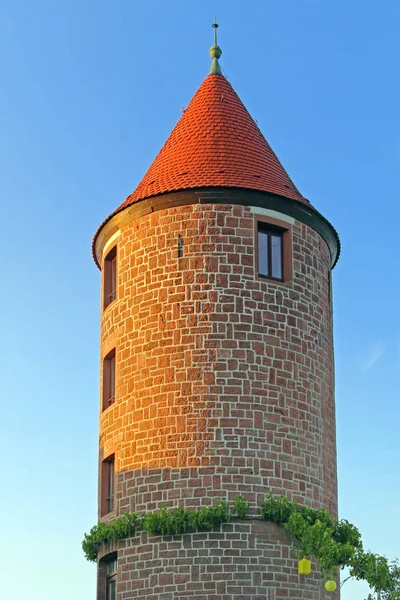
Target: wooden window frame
284	229
108	485
109	378
110	579
271	232
110	277
106	574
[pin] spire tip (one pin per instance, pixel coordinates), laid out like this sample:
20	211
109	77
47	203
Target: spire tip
215	52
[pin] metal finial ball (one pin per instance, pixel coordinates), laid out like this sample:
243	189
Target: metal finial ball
215	51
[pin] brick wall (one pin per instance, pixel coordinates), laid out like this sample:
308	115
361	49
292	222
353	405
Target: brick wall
243	560
224	386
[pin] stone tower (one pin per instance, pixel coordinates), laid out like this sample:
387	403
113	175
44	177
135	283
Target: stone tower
217	369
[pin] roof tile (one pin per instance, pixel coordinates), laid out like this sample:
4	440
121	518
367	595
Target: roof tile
215	143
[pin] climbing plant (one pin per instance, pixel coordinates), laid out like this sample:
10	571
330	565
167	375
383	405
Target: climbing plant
332	544
162	522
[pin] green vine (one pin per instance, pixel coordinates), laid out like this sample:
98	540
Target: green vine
162	522
333	544
241	507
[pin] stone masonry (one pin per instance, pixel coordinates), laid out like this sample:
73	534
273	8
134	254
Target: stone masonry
224	386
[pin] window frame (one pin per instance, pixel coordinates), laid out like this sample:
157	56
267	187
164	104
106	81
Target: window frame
111	577
109	580
107	485
284	229
107	574
270	232
110	274
109	378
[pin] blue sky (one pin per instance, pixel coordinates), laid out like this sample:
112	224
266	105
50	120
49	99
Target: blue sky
90	91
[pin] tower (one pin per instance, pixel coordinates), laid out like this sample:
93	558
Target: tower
216	359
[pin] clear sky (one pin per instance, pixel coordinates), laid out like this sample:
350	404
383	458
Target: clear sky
90	89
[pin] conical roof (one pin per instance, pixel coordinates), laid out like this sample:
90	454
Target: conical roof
216	143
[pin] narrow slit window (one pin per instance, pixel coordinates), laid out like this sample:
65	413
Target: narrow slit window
180	246
110	277
108	485
270	252
109	379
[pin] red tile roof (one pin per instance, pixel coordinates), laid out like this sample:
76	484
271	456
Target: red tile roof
216	143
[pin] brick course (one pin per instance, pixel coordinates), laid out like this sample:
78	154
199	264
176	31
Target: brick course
249	560
224	385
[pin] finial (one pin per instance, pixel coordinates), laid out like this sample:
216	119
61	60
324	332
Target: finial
215	52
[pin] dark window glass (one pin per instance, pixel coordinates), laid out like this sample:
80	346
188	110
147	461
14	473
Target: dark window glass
111	566
108	495
112	380
263	254
110	277
276	256
110	485
270	252
111	588
111	579
113	277
109	379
